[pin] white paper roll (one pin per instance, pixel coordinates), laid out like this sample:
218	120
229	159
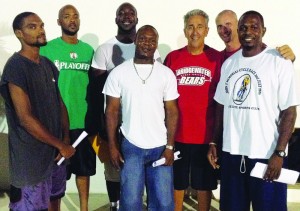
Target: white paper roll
163	160
78	140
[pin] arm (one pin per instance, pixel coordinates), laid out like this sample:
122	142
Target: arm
99	61
112	119
97	72
286	52
172	114
32	124
218	131
65	126
286	127
95	121
65	122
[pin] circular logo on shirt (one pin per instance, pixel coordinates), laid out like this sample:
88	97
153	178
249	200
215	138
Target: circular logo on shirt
73	55
241	89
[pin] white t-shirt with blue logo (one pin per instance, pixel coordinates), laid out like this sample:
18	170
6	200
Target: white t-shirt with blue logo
253	91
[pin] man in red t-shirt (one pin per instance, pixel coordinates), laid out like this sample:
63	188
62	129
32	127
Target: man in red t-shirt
197	69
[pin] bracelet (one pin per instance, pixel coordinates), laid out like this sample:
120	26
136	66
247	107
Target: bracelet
212	143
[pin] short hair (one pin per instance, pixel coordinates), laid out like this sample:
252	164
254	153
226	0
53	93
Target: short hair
227	12
126	3
66	7
194	13
253	12
147	26
19	20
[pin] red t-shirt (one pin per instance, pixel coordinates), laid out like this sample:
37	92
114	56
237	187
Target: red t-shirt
197	79
227	54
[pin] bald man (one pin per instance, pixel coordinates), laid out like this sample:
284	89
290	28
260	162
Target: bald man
73	58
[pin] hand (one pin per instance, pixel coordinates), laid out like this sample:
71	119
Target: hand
286	52
169	156
212	156
274	168
115	157
66	151
58	157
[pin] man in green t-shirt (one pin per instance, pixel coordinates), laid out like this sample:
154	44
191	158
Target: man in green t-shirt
72	58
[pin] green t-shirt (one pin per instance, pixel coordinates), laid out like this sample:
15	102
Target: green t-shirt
73	62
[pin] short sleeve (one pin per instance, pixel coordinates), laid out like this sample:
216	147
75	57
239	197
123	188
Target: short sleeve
171	92
13	73
112	86
287	92
220	91
99	61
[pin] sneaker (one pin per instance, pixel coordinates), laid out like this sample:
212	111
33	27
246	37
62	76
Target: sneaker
113	209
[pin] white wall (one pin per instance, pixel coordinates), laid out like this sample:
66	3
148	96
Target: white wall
97	26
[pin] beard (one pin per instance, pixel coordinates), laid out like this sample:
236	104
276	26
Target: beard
40	41
38	44
70	33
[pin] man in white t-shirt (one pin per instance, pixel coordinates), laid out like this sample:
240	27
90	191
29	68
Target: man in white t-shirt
107	56
257	102
149	95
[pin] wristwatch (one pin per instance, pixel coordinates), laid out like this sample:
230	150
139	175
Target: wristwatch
169	147
280	153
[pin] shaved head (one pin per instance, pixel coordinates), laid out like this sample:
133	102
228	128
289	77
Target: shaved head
68	6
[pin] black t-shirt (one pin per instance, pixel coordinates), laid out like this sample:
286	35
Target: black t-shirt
31	160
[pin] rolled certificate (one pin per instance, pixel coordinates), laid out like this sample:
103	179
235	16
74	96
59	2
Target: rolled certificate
163	160
78	140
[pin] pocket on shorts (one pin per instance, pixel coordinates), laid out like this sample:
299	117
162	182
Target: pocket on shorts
15	194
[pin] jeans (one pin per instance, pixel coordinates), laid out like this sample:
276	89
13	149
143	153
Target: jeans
137	172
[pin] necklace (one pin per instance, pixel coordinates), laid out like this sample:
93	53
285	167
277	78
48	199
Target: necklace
143	80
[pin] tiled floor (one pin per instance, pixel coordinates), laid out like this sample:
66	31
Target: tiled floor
99	202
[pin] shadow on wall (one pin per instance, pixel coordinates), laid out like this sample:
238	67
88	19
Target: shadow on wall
5	33
163	50
4	173
91	39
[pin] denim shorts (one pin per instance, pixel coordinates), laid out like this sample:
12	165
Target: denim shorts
239	190
137	172
38	196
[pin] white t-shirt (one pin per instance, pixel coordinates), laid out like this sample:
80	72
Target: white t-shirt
253	91
113	53
143	113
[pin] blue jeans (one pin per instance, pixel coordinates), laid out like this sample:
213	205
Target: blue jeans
137	172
